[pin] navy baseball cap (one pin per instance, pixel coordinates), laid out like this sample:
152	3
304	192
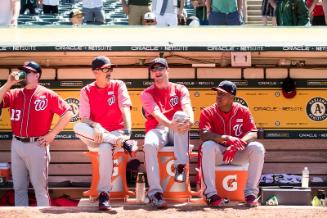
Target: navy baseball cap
31	66
101	62
161	61
226	86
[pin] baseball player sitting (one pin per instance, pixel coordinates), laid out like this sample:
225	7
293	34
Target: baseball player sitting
31	111
105	122
228	131
169	117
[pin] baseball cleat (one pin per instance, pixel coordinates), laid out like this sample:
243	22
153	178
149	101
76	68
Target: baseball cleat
158	201
130	146
251	201
104	201
215	201
180	175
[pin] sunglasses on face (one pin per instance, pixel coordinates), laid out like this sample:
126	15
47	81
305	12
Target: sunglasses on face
157	68
78	16
105	70
222	94
149	21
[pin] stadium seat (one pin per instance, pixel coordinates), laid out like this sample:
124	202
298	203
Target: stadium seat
122	23
41	23
47	16
51	20
64	23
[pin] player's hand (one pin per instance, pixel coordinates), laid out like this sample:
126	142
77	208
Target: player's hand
195	4
125	137
46	139
184	126
174	125
235	142
98	131
125	9
180	12
229	155
13	22
11	79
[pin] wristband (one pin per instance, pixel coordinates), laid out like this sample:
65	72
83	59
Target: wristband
127	132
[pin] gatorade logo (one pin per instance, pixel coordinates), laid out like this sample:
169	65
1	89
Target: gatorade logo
169	168
229	183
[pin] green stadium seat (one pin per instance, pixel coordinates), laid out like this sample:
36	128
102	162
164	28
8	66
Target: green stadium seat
41	23
47	16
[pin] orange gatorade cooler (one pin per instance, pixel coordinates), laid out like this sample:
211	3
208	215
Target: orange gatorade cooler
172	191
5	170
231	181
118	179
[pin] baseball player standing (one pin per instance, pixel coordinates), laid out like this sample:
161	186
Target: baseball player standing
31	112
105	122
169	117
228	131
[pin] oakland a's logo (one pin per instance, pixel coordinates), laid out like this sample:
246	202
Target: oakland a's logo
41	103
74	105
173	101
241	101
316	109
111	100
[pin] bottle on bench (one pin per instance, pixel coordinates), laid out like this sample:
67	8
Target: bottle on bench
305	178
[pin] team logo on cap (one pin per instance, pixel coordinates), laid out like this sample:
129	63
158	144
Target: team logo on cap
241	101
41	103
74	105
316	109
173	101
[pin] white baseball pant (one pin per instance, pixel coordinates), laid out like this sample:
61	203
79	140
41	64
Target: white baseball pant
30	160
106	149
212	155
167	19
157	138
